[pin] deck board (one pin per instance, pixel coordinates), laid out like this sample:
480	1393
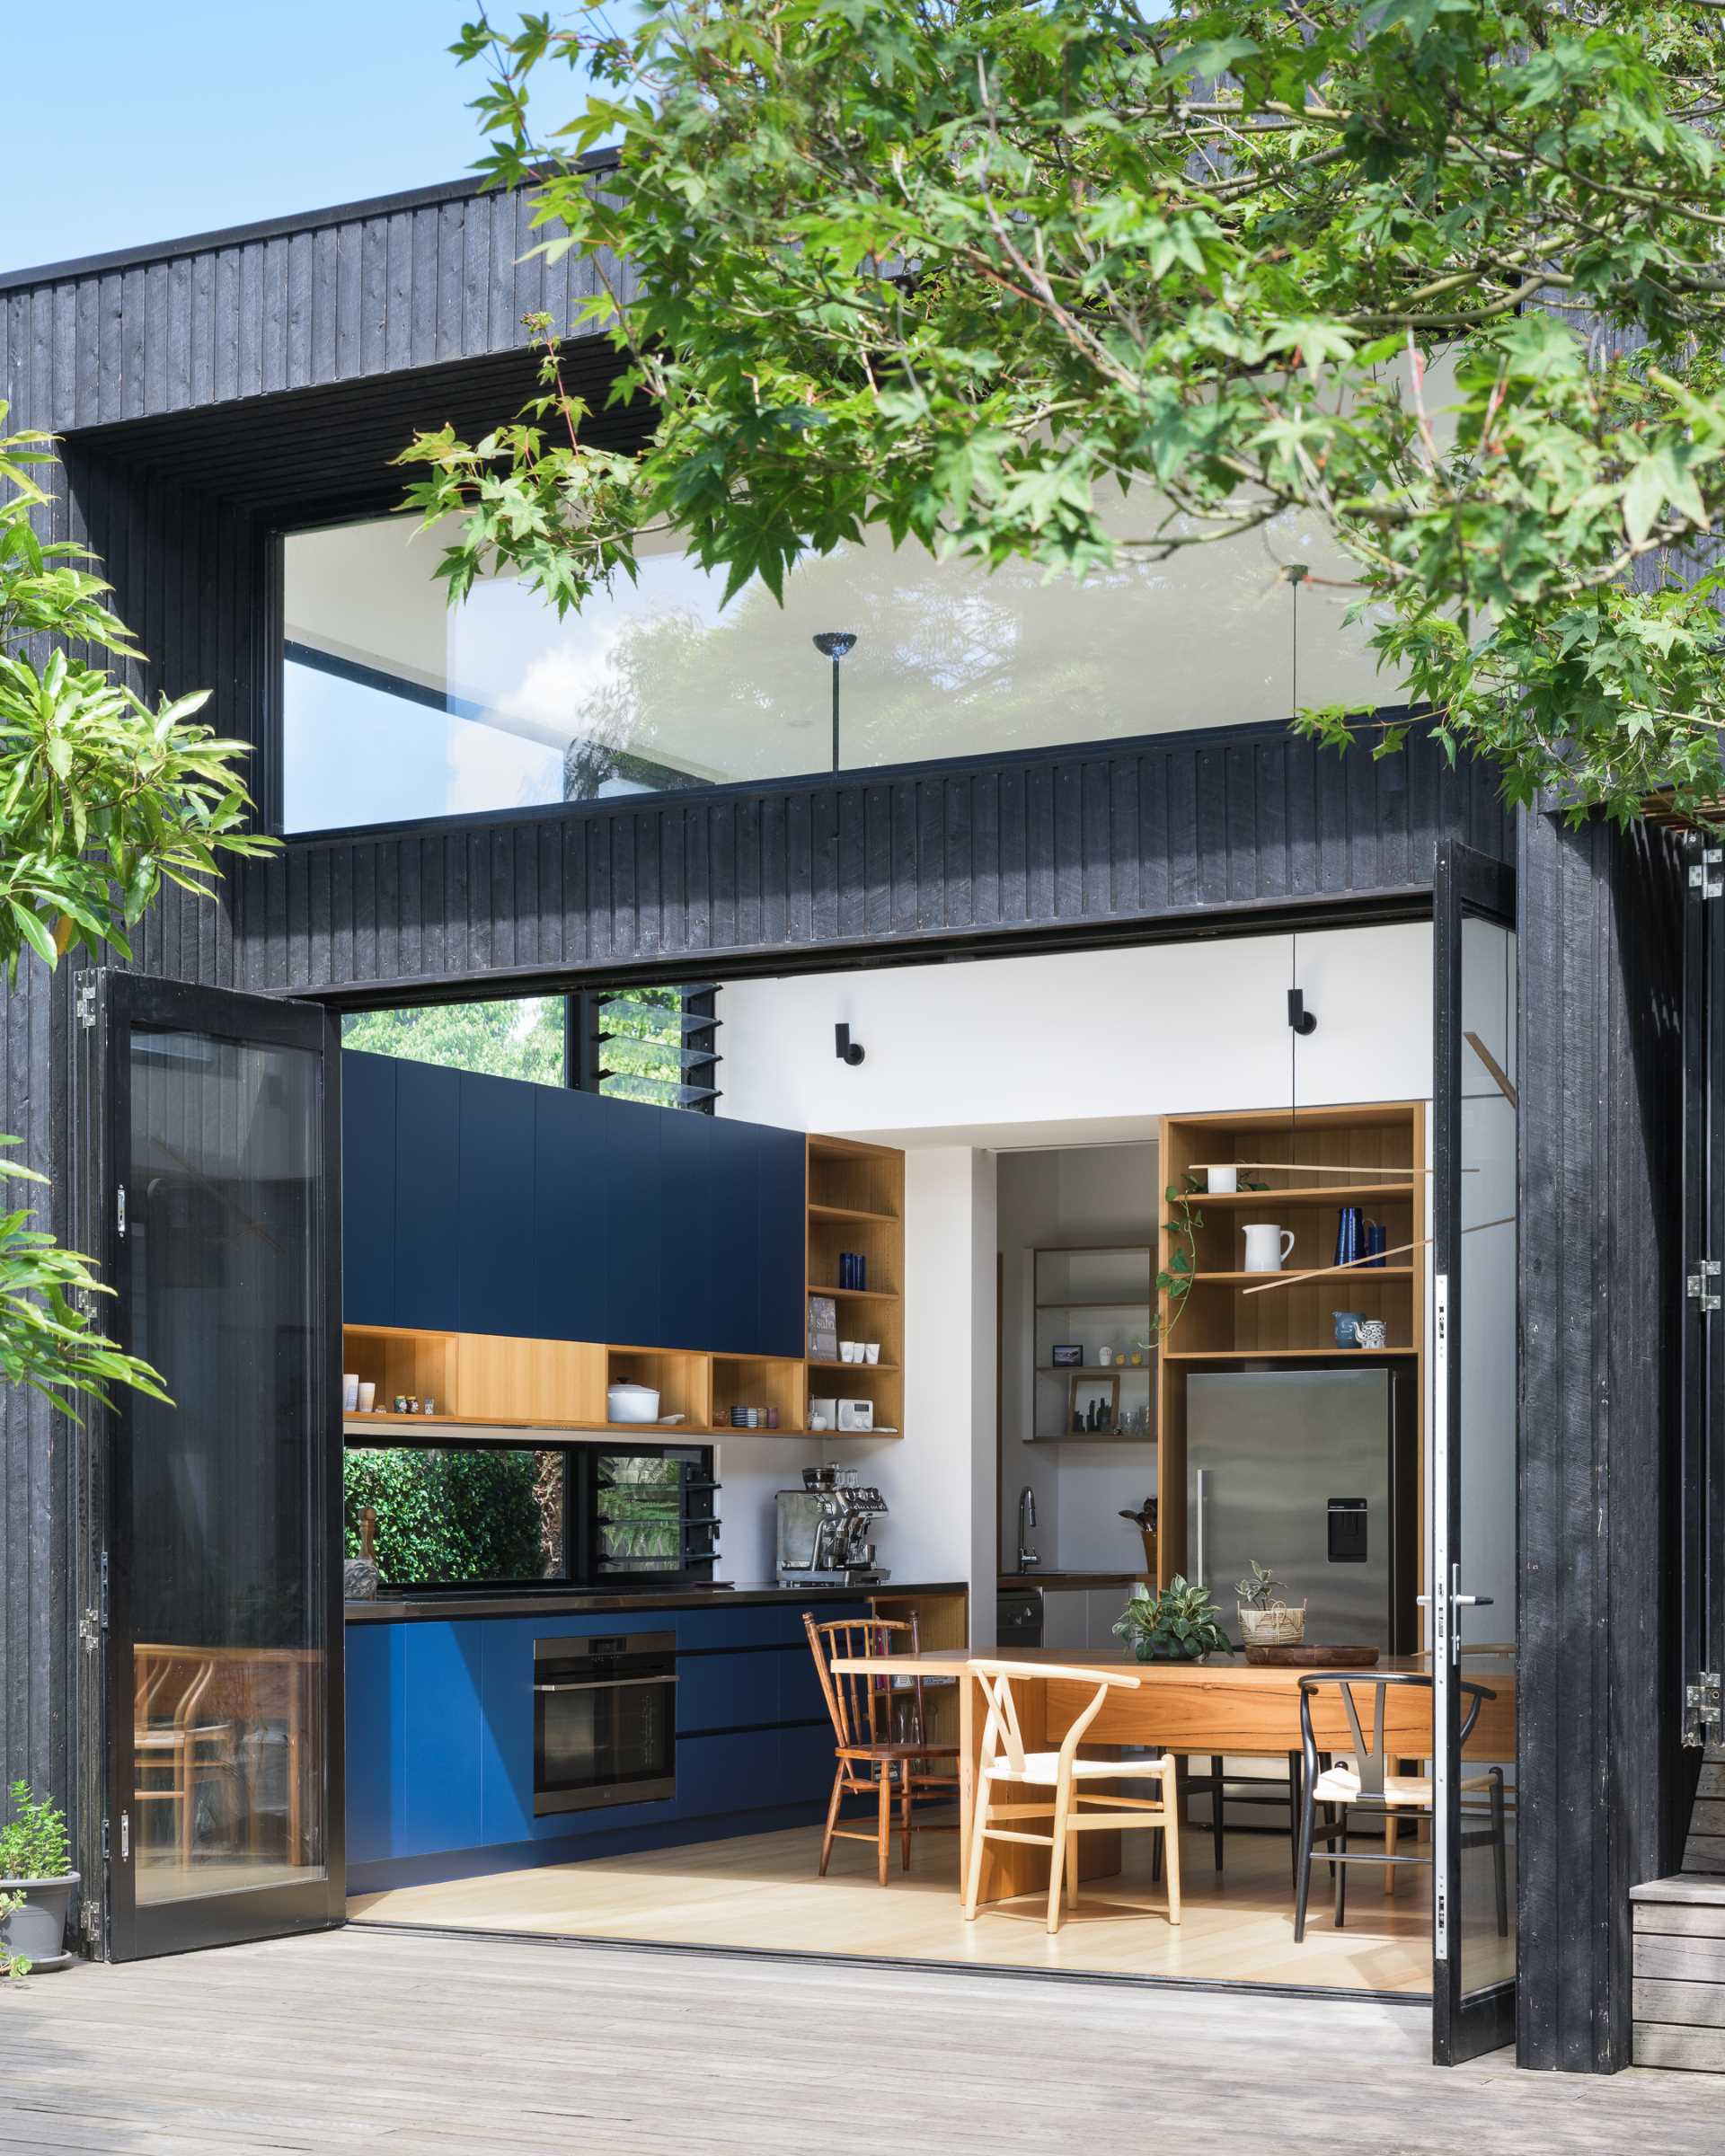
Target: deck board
400	2042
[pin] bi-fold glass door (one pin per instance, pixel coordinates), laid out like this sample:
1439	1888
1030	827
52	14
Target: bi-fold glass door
218	1192
1472	1480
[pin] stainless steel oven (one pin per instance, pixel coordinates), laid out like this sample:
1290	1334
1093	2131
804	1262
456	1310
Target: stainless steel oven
603	1720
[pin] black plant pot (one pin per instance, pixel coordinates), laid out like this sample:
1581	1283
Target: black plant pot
38	1929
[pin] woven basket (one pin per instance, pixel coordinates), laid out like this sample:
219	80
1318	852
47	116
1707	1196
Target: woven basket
1277	1626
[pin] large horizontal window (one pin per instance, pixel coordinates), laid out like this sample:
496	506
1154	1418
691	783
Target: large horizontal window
396	707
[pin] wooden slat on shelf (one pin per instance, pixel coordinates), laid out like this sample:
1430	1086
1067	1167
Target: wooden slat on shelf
1303	1194
1292	1355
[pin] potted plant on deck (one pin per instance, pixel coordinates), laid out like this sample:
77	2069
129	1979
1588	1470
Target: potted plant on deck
37	1884
1177	1625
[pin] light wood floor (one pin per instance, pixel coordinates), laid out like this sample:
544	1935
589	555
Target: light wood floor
762	1892
421	2045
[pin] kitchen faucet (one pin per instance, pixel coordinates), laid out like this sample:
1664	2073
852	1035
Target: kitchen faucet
1027	1557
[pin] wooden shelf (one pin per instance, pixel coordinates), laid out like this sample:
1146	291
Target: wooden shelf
849	1213
856	1200
389	1415
1096	1303
1308	1194
1095	1437
1305	1274
1098	1370
819	1362
855	1294
1281	1354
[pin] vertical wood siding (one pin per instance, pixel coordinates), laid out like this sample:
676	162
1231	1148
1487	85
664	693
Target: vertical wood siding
1599	1785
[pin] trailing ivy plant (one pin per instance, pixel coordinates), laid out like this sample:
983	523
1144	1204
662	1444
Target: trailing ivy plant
104	798
960	272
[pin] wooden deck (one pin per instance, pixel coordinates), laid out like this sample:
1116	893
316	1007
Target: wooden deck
475	2047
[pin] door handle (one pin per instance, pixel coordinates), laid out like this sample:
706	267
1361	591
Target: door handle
1199	1574
1472	1601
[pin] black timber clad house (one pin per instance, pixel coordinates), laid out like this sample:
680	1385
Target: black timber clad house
209	391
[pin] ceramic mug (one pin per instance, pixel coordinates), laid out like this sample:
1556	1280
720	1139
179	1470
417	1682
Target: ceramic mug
871	1352
1347	1323
1266	1245
350	1391
1371	1332
1222	1181
847	1351
367	1399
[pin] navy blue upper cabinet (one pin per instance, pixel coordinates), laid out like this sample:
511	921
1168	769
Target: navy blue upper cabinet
572	1216
496	1253
474	1204
781	1317
427	1197
368	1189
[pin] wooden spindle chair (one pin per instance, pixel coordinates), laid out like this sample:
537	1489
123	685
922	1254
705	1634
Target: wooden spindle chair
870	1760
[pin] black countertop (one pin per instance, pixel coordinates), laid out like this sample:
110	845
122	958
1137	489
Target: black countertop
404	1609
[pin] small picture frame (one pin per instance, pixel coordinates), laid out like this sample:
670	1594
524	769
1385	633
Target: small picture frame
1068	1356
823	1330
1093	1407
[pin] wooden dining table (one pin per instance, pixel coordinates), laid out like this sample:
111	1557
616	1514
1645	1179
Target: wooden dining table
1220	1706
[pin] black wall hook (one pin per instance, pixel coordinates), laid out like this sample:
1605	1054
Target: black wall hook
848	1050
1302	1019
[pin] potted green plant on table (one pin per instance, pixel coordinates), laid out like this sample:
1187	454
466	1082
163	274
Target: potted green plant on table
1266	1617
37	1884
1177	1625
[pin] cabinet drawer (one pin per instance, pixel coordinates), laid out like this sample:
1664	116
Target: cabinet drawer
728	1692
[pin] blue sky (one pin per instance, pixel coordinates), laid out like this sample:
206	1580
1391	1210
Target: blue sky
148	119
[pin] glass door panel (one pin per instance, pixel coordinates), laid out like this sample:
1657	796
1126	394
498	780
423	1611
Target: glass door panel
1473	1488
224	1689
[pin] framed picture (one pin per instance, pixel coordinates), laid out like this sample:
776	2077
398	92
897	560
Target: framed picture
1093	1404
1067	1357
823	1329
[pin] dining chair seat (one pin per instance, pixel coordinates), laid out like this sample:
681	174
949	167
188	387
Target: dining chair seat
1341	1785
1045	1767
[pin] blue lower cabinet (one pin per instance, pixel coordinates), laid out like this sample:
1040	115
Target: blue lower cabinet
443	1726
374	1740
806	1763
728	1691
731	1772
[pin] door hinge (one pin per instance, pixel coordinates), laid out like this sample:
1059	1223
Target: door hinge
1702	877
90	1631
83	1003
120	1210
1705	1298
90	1921
1702	1705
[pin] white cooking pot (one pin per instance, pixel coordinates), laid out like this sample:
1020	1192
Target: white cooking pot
632	1403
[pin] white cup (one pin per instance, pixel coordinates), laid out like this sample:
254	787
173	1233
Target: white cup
349	1392
847	1351
367	1399
1223	1180
871	1352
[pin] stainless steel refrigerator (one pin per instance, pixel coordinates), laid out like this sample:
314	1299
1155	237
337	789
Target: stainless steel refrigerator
1313	1473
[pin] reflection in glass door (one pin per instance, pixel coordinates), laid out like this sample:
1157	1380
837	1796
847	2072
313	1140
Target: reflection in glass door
1472	1491
222	1685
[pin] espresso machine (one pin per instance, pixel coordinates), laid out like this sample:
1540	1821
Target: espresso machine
824	1530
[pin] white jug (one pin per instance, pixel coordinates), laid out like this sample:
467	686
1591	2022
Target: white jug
1266	1246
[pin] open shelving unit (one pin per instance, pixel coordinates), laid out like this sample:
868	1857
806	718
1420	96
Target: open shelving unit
1091	1296
856	1202
1222	1327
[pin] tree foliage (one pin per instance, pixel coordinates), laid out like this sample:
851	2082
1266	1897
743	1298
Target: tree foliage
102	799
447	1516
962	269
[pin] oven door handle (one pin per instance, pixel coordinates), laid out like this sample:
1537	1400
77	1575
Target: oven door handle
605	1684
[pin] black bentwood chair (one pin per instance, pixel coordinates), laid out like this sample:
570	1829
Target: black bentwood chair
1361	1783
